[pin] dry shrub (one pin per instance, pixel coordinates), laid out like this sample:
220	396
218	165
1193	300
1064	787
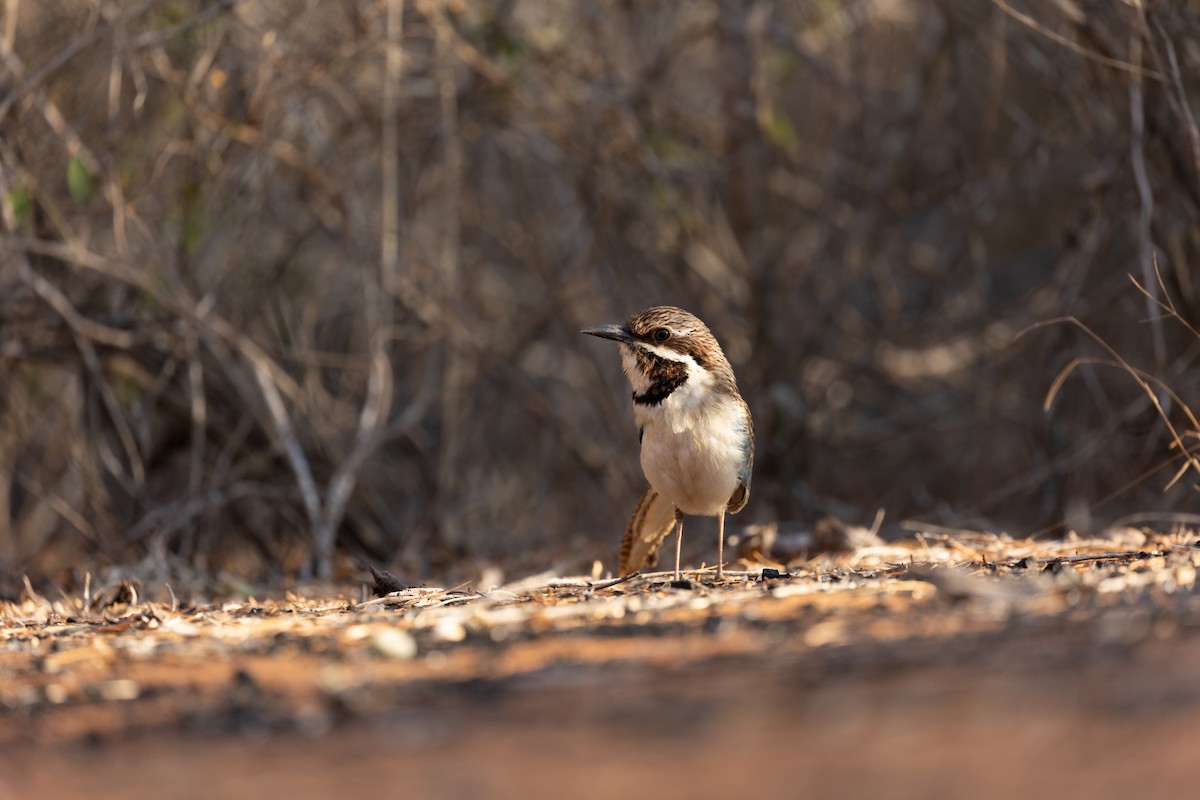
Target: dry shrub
277	274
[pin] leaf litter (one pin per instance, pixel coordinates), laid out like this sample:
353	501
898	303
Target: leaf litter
122	662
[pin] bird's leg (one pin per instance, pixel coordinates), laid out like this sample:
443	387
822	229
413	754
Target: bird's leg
721	545
678	539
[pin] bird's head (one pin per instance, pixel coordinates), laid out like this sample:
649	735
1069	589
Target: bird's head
662	348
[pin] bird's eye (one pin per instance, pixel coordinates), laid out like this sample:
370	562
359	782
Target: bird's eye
661	334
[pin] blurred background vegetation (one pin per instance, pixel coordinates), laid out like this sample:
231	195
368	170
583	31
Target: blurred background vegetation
285	285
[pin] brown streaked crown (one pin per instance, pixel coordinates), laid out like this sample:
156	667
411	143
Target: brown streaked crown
674	329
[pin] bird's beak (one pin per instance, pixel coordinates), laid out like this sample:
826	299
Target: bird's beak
617	333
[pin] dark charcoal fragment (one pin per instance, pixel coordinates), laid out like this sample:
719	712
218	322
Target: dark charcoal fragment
121	593
682	583
769	574
1028	562
1054	567
386	582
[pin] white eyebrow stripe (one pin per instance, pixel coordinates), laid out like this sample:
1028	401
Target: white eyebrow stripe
669	355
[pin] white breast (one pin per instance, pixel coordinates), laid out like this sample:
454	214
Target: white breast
693	444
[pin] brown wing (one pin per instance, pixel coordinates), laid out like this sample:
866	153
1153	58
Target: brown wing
737	500
652	520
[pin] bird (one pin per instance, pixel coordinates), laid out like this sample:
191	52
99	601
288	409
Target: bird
694	428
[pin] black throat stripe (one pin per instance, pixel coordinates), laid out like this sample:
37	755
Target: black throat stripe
665	377
659	391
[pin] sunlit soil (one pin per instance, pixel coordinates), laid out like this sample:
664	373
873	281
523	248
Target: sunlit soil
974	666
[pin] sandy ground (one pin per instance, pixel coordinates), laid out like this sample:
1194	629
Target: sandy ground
962	678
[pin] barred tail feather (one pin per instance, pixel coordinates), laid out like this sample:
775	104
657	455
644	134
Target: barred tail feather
652	520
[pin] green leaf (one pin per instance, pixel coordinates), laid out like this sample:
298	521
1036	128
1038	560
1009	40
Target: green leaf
78	180
780	131
19	200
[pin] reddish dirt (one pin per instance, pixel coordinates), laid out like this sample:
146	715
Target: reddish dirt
887	681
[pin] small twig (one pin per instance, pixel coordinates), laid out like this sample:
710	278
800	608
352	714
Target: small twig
1080	558
1075	47
614	582
86	334
404	596
1137	155
36	78
1183	108
878	521
1132	555
1164	300
1136	374
651	577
